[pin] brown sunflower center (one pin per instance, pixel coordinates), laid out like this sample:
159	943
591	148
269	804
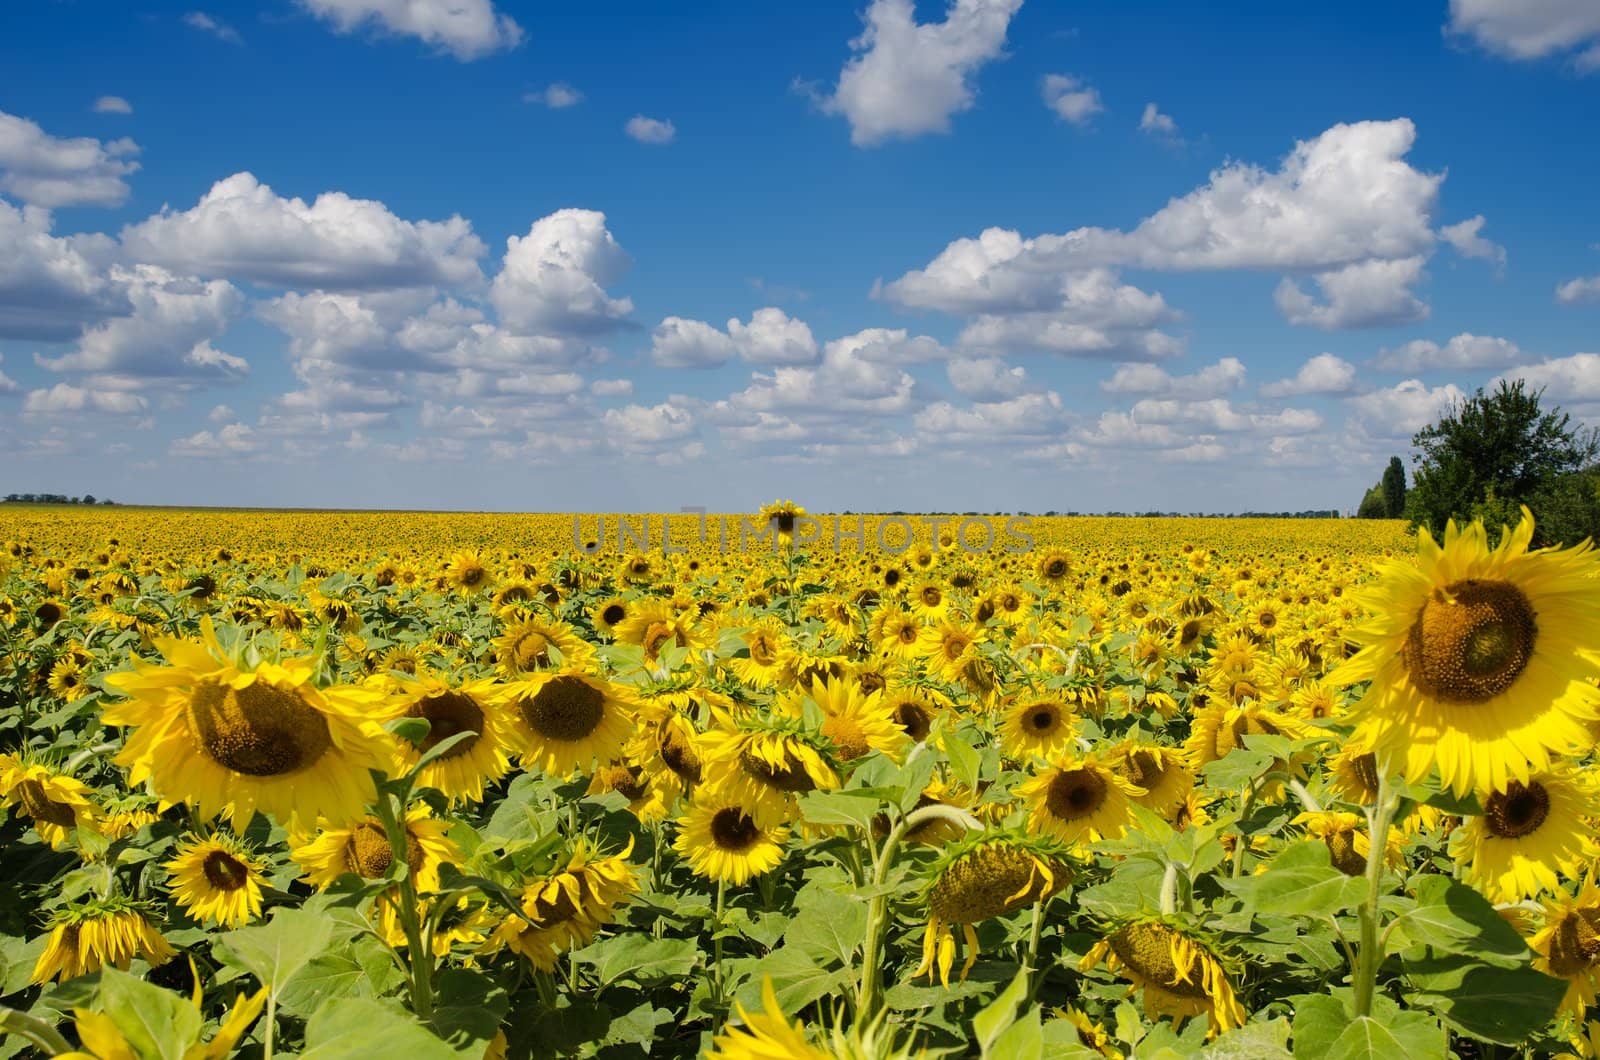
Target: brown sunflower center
259	730
1056	568
1342	852
42	808
1517	811
1075	793
224	872
1575	943
762	651
1471	641
1042	719
448	714
992	880
733	830
1146	948
613	613
914	718
369	854
791	776
627	781
908	633
1146	769
531	651
567	708
679	755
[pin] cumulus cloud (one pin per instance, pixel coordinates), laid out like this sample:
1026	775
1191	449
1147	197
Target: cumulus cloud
1211	381
1322	374
1465	351
1405	408
650	130
611	387
1465	238
7	384
1574	380
44	170
466	29
1155	123
680	343
1071	99
65	398
553	279
1366	295
1531	29
51	286
642	428
112	105
242	229
215	26
1575	292
232	440
987	378
773	337
909	79
987	421
845	380
558	96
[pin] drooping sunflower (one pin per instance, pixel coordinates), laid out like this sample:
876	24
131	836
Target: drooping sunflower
650	796
566	906
767	1035
533	644
1480	660
654	624
1091	1035
216	880
450	710
782	516
86	936
1530	834
1181	971
724	840
989	874
229	738
1079	799
763	765
1568	946
364	849
1033	726
566	720
57	804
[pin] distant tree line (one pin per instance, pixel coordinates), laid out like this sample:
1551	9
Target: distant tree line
53	498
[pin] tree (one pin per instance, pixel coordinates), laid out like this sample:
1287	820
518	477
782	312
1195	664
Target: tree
1394	489
1372	506
1493	453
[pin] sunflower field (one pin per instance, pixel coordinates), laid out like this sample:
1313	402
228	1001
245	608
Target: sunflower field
378	784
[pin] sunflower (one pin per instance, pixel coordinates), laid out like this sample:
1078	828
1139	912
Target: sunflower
945	646
565	720
1181	972
1036	726
856	724
1344	834
1481	660
913	710
1568	946
609	613
765	1036
216	880
1161	772
566	906
649	799
985	876
654	624
86	936
535	644
1220	728
763	765
1530	833
232	740
1079	799
1053	568
66	680
450	710
764	646
103	1040
466	573
782	516
1091	1035
724	840
363	849
57	804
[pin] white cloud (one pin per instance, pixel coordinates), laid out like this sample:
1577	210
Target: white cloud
611	387
44	170
557	96
167	336
1322	374
1465	351
333	328
112	105
1574	292
844	381
467	29
1211	381
1574	379
1531	29
222	414
773	337
235	439
1071	99
51	286
680	343
215	26
63	398
553	279
1155	123
242	229
1369	294
650	130
889	346
7	384
1468	243
647	427
1218	415
987	378
1405	408
908	78
1024	416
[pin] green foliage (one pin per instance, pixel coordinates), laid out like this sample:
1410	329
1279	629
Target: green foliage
1394	489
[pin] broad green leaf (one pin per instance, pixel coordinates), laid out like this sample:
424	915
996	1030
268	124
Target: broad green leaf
1319	1019
1023	1040
1488	1001
274	951
326	976
1299	881
796	979
989	1024
638	1027
1236	769
157	1023
1408	1035
643	960
1134	886
468	1007
1061	1042
965	761
848	808
829	926
355	1028
1453	918
1253	1041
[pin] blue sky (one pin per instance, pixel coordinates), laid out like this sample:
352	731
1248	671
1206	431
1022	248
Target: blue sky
1001	254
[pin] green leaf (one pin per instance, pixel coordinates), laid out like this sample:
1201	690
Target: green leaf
1300	881
275	951
326	976
1404	1034
1492	1002
1319	1019
645	961
1236	769
1023	1040
157	1023
829	926
1253	1041
796	979
989	1024
359	1028
411	730
847	808
965	762
1453	918
469	1007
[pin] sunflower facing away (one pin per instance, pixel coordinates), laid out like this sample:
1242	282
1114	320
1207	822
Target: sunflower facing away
565	721
1480	659
216	880
763	765
230	740
1530	835
1181	972
89	935
724	840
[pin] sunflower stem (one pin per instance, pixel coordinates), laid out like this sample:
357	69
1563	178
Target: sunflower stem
1245	804
418	957
35	1030
1307	800
1030	960
716	938
1169	889
272	1023
1370	954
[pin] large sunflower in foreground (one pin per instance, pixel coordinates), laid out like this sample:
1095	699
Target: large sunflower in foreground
450	710
1569	946
986	876
535	643
216	880
57	804
87	936
762	765
1480	659
565	720
229	738
1529	836
1181	972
